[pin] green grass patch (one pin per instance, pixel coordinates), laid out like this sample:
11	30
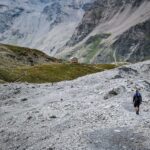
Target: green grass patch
92	49
93	45
50	72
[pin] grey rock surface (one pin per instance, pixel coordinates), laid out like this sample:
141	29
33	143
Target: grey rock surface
77	117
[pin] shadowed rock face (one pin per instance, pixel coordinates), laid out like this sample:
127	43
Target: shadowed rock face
136	38
53	12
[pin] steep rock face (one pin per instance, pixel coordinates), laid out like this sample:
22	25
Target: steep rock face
126	21
131	46
134	44
42	24
100	11
90	20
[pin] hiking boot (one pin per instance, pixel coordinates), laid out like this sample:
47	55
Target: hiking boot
137	112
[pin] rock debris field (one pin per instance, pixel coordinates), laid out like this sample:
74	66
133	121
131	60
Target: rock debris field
93	112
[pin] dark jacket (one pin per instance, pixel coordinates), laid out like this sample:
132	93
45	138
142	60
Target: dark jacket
137	98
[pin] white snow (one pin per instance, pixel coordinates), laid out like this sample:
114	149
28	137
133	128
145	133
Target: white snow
78	114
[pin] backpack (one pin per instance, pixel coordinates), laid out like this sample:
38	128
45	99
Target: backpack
137	98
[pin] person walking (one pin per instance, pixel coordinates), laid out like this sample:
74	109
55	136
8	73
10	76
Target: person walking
137	100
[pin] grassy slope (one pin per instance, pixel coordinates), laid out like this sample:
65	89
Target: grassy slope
92	47
11	56
50	72
45	72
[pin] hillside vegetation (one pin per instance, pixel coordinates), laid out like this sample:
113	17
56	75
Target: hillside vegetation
12	56
18	64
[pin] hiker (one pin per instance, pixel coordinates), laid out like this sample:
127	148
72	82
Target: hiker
137	100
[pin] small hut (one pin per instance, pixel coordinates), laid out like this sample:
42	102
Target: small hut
74	60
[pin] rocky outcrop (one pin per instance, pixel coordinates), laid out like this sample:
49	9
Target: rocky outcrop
134	44
90	20
54	13
98	12
131	46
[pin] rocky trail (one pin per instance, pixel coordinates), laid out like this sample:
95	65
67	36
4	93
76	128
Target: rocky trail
94	112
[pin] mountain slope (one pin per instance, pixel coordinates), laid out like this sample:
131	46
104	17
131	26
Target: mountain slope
20	64
93	112
126	23
14	56
41	24
95	31
134	44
